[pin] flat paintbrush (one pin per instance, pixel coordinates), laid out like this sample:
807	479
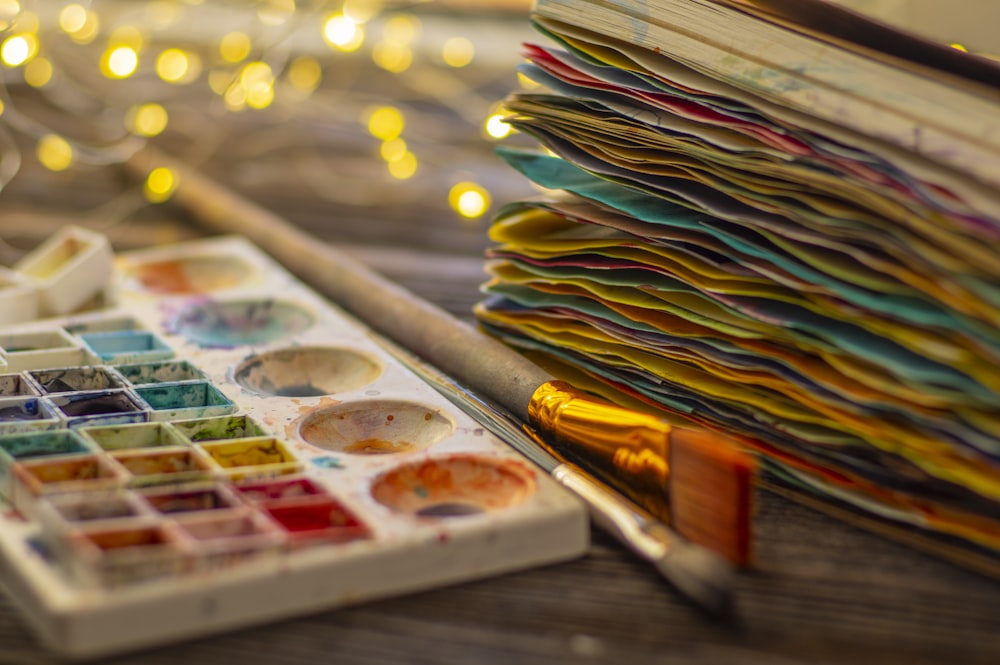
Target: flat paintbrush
701	574
695	480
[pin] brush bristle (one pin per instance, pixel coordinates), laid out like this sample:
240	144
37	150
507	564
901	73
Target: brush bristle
711	492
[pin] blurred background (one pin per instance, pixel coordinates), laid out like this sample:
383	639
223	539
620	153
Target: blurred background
371	123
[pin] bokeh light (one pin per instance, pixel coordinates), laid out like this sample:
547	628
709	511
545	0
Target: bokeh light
54	152
468	199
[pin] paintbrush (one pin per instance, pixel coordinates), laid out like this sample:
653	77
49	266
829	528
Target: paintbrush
697	481
698	572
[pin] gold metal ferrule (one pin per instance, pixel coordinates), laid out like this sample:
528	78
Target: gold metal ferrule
624	448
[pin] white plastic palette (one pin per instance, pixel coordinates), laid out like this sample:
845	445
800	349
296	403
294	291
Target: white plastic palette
226	448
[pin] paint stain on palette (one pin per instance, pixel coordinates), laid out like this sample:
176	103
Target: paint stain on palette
190	275
454	486
310	371
241	322
255	442
372	427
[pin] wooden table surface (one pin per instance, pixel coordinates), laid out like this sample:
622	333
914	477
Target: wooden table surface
820	591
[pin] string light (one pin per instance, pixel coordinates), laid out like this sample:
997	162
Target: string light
254	66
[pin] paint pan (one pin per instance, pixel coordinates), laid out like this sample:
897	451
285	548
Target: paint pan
101	407
190	274
69	269
374	427
60	515
454	486
242	322
101	324
91	507
264	457
317	520
196	399
220	428
35	445
134	436
306	372
280	489
223	540
112	557
164	466
27	414
41	349
126	346
18	298
191	498
15	385
36	478
75	379
141	374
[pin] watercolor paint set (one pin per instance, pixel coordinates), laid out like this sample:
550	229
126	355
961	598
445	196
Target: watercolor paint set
224	447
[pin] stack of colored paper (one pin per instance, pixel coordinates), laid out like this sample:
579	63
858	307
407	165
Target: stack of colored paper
829	297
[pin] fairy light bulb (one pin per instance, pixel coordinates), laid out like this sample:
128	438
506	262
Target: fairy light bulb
54	152
176	65
235	47
147	119
72	18
496	127
80	23
343	33
393	150
119	62
18	49
160	185
386	123
392	57
457	52
469	199
305	73
38	72
257	80
403	168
